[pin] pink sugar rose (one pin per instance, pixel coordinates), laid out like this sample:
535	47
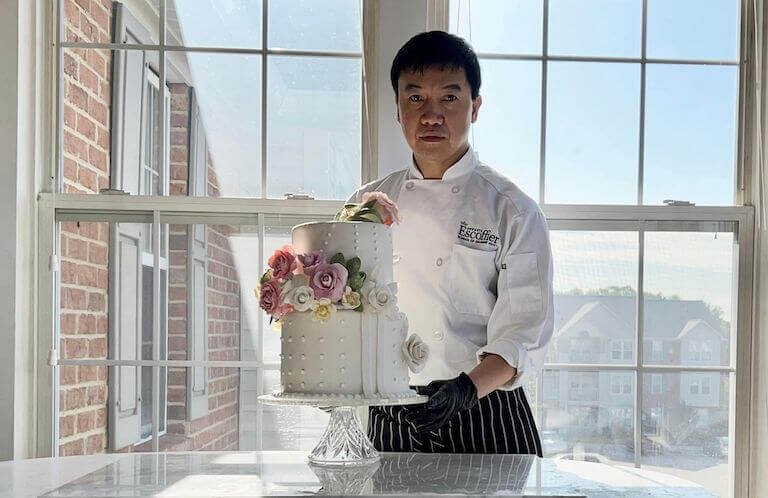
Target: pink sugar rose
283	262
269	296
328	281
384	206
309	262
283	310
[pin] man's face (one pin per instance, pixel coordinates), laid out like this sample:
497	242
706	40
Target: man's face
435	110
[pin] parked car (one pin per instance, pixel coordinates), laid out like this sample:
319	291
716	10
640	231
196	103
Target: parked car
552	443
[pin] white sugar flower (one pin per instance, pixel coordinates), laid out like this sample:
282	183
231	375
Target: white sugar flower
415	352
350	299
380	297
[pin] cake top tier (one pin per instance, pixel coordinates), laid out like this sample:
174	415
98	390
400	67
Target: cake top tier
371	242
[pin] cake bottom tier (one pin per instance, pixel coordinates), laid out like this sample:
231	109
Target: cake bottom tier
353	353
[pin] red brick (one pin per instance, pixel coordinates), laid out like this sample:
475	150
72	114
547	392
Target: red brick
66	426
71	448
74	399
103	138
98	111
69	169
100	16
98	158
178	189
75	348
101	325
179	172
70	116
86	275
97	348
103	279
179	156
176	395
97	254
88	373
101	418
75	146
75	248
97	395
90	230
73	299
77	96
88	29
67	375
96	302
68	324
95	444
86	324
87	179
102	372
97	63
84	4
85	421
177	292
86	128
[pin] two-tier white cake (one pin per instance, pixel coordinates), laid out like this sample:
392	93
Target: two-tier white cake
363	353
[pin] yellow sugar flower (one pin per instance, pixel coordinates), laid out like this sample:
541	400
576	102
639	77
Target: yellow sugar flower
322	310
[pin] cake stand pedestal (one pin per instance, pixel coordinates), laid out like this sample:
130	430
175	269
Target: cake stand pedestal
344	441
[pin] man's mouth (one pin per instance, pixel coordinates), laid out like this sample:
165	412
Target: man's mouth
431	138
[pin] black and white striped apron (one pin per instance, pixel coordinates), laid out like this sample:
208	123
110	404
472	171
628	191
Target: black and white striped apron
501	422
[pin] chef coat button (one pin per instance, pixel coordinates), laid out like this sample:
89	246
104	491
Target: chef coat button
439	262
455	189
439	335
409	185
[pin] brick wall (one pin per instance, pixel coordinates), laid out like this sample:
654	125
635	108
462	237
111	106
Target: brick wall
83	421
84	276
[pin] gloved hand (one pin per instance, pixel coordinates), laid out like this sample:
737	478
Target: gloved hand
446	399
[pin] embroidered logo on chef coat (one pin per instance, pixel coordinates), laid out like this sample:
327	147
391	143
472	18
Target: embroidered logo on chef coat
477	235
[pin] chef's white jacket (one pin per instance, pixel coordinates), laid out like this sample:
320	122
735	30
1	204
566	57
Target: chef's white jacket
474	268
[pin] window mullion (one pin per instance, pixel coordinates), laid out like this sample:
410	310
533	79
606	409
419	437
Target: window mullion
543	131
264	43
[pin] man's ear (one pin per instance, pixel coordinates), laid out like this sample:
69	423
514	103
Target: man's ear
397	108
476	107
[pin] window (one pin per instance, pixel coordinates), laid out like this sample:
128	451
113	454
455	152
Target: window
656	350
228	103
621	350
631	144
656	386
694	387
621	384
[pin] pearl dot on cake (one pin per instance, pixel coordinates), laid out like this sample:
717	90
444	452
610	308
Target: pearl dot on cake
290	356
290	339
322	356
303	357
342	385
321	339
341	339
342	356
302	371
303	339
290	385
342	370
302	385
320	384
322	370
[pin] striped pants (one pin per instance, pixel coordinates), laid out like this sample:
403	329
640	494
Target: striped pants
500	422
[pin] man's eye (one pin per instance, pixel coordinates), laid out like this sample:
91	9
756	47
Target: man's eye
415	98
451	98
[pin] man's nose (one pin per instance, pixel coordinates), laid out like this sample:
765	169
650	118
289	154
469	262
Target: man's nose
431	115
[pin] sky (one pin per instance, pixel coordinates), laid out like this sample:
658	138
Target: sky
592	116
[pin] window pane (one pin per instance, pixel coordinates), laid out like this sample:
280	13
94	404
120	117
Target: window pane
685	433
217	126
314	134
588	416
690	133
595	27
691	29
288	427
689	304
214	23
311	25
274	238
592	133
595	286
511	94
499	26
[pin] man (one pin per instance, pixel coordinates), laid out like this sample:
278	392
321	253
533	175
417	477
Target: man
473	266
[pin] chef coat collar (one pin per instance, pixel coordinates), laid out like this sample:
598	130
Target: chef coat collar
461	167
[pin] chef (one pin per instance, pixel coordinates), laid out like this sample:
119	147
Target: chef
473	265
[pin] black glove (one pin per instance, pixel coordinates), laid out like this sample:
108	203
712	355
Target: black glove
446	399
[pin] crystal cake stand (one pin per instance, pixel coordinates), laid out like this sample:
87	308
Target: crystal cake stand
344	441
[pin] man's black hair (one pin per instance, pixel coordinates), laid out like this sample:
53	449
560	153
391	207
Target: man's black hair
440	50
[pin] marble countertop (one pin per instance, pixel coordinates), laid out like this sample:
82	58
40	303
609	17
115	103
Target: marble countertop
275	473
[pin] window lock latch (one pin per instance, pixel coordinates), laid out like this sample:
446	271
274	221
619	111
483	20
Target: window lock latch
299	197
673	202
113	191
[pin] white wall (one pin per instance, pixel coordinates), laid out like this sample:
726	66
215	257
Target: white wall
9	41
398	21
18	159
